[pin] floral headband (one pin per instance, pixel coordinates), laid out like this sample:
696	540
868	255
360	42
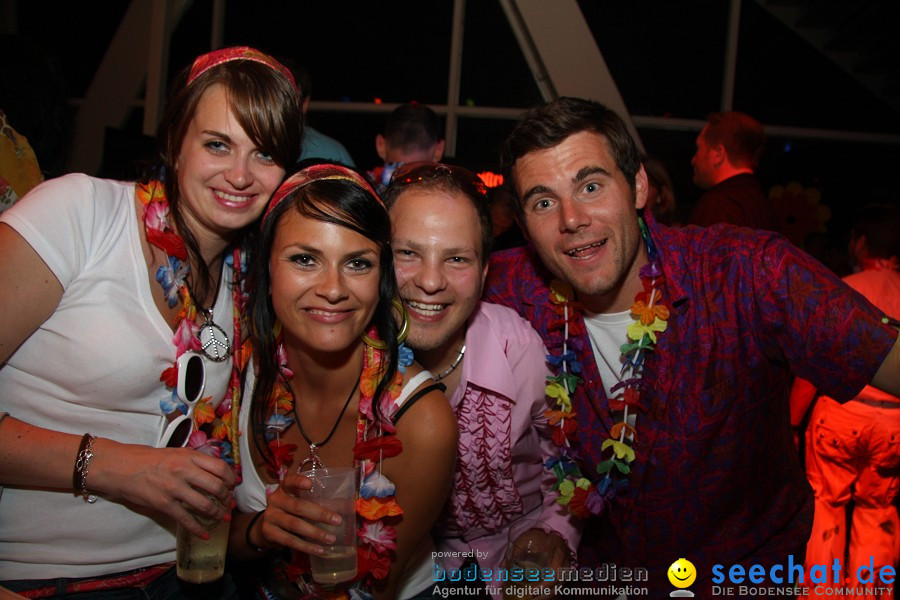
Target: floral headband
317	173
207	61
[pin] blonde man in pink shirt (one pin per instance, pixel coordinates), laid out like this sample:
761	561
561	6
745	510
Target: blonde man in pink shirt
491	361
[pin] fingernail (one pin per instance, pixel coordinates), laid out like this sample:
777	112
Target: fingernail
319	550
330	538
205	536
227	517
336	520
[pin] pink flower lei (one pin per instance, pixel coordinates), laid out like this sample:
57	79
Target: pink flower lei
215	428
584	495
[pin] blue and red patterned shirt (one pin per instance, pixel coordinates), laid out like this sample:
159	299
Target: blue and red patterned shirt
716	477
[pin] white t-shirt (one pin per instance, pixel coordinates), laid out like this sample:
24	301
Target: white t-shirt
250	495
93	366
608	332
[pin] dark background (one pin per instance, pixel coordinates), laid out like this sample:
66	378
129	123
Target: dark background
667	59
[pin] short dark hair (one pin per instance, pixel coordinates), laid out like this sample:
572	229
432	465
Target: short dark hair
304	81
449	179
880	223
547	125
741	135
412	127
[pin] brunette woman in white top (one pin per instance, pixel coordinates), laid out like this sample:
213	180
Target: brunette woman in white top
107	288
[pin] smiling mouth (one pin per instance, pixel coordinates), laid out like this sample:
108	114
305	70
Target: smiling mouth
428	310
319	311
680	578
233	198
581	250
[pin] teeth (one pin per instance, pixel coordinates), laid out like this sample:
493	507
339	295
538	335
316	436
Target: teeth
584	248
322	312
426	309
232	197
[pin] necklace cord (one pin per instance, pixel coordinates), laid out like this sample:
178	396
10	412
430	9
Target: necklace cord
336	423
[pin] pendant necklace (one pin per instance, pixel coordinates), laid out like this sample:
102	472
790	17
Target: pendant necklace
452	366
214	341
314	461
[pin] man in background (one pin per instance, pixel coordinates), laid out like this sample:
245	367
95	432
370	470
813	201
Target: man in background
412	133
317	145
728	151
853	449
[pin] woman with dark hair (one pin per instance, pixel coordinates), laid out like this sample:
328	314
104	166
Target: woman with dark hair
110	288
330	389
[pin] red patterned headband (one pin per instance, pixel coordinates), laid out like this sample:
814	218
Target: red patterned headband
317	173
207	61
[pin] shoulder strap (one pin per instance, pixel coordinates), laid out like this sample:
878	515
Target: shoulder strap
415	397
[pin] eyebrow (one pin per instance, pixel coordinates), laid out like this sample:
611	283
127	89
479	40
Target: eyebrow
218	134
586	172
298	246
420	247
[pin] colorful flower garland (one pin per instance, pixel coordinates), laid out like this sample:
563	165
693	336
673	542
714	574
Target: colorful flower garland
375	441
220	438
584	495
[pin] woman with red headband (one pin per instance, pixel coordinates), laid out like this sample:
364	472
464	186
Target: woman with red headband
110	290
333	388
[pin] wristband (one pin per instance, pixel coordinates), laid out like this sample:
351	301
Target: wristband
251	545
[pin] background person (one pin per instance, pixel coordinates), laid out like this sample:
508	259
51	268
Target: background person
491	360
111	284
660	193
728	151
412	133
687	446
853	449
329	390
317	145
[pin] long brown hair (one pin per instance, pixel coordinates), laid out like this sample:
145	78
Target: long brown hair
267	107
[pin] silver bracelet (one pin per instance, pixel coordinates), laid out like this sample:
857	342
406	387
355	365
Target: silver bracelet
82	461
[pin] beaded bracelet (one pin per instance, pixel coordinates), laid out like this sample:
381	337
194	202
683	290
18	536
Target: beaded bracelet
251	545
82	460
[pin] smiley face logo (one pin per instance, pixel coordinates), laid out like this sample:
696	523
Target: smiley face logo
682	573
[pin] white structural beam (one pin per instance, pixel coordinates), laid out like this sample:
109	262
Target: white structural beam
136	50
731	49
562	54
454	76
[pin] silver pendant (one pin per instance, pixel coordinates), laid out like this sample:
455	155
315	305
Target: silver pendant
213	339
313	461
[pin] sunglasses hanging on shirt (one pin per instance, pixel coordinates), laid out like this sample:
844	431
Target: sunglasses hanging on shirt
191	383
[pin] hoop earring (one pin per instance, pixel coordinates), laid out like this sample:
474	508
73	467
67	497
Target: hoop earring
404	328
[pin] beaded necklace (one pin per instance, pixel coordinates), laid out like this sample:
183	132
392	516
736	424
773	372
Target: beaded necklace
220	436
581	494
375	441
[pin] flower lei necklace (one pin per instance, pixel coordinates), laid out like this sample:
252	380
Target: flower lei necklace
582	494
375	441
221	438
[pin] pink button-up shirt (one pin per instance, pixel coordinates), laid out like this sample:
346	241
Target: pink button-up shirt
504	441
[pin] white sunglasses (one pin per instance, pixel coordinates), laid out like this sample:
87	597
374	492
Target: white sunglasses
191	383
